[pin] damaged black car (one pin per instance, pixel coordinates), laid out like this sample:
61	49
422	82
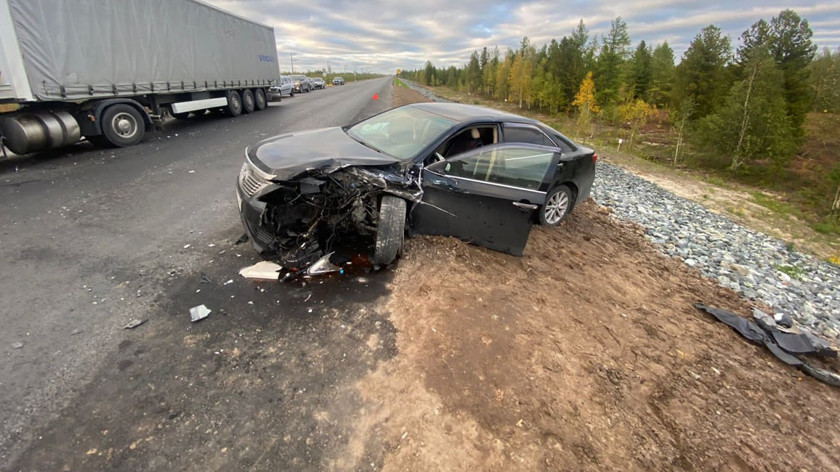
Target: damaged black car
448	169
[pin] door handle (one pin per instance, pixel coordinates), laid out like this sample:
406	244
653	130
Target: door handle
525	206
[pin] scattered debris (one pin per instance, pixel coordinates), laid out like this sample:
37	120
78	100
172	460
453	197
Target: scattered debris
134	323
784	320
784	345
322	266
242	239
17	345
228	282
263	270
187	246
205	279
198	313
75	332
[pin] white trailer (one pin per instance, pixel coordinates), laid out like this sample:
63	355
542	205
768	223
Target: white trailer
109	70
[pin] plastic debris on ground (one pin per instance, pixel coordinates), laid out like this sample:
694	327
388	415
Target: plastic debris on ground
263	270
322	266
17	345
198	313
786	345
134	323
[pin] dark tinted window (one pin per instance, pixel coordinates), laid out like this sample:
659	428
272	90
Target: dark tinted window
527	136
562	142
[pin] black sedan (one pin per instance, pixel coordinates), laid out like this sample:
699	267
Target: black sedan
430	168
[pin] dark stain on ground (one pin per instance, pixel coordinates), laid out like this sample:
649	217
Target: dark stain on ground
266	382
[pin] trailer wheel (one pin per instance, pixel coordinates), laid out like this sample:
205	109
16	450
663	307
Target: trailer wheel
234	106
122	125
259	99
247	101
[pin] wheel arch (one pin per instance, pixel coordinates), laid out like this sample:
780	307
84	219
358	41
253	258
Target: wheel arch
90	115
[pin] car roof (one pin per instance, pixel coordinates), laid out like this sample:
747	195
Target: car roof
463	113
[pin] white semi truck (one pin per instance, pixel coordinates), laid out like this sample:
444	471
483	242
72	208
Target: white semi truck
109	70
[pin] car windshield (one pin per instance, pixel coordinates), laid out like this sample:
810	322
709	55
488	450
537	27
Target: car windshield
401	132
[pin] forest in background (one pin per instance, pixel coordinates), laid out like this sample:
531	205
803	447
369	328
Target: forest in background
764	111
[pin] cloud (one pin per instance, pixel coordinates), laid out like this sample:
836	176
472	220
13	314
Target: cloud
383	35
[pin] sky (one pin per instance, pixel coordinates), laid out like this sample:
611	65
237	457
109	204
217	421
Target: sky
383	35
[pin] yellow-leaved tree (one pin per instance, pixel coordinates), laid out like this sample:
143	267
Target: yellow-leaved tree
586	105
636	113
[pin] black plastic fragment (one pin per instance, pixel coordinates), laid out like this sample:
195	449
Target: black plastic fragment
242	239
785	346
308	185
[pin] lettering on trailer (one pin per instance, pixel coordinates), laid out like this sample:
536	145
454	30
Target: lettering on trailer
264	58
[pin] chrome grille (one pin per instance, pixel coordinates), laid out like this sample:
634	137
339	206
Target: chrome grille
250	182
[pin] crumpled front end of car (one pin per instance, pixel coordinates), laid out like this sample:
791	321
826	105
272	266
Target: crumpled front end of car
296	222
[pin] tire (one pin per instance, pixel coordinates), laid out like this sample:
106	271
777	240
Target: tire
234	106
390	233
558	205
259	99
247	101
292	93
122	125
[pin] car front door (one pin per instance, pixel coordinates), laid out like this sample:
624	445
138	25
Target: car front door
487	196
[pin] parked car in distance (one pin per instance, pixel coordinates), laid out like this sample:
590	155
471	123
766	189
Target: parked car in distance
338	81
301	83
284	88
446	169
318	83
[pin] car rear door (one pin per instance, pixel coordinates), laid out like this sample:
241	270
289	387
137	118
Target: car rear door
487	196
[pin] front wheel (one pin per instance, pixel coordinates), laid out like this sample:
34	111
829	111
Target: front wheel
390	233
122	125
558	204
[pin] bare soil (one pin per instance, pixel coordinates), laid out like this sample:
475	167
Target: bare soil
404	96
586	354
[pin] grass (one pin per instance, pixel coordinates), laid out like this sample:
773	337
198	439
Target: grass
400	83
792	271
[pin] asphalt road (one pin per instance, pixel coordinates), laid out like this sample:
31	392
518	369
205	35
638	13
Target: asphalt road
91	239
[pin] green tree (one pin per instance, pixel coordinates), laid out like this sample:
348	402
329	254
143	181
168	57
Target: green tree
473	78
429	74
753	122
702	75
642	71
793	51
661	74
614	53
825	81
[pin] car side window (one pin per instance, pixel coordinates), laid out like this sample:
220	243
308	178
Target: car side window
517	167
526	135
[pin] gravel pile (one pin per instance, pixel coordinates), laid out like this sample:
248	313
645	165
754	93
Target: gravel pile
424	91
751	263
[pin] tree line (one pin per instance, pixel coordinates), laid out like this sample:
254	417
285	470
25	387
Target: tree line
748	103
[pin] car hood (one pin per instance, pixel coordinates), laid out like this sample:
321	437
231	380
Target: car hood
290	155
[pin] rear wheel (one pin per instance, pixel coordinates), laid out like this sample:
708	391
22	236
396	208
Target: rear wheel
122	125
390	233
558	204
259	99
247	101
234	106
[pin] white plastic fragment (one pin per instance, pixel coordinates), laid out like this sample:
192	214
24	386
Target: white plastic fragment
322	266
198	313
263	270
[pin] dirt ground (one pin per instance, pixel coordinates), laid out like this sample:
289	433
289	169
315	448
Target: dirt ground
586	354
